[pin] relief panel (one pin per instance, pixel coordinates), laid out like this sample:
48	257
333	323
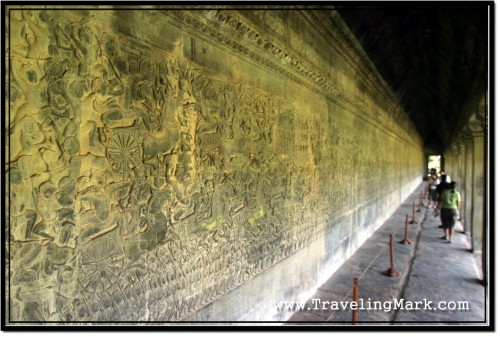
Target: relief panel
144	186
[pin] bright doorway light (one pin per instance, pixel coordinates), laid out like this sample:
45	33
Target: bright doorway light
434	164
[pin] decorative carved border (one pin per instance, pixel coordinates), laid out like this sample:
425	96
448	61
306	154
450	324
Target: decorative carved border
229	26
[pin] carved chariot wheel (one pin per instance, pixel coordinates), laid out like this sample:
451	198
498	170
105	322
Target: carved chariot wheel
123	152
101	263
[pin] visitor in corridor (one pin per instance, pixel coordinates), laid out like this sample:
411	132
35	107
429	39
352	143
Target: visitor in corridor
443	185
443	177
431	190
450	203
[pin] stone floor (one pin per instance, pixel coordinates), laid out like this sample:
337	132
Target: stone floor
433	275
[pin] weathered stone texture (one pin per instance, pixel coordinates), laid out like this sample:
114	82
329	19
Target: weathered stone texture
160	159
466	163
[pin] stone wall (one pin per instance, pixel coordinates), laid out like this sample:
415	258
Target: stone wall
168	165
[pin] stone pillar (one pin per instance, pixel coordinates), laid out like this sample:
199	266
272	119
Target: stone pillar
453	170
457	172
466	184
478	199
461	163
445	160
479	229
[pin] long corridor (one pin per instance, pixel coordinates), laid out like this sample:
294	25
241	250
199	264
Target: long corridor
438	283
227	165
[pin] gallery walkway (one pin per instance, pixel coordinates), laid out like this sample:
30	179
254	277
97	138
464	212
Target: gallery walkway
438	283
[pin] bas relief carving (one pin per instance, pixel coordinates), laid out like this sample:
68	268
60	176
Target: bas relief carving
143	188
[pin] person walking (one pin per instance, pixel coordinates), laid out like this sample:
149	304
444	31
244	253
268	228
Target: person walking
443	176
431	190
450	203
441	187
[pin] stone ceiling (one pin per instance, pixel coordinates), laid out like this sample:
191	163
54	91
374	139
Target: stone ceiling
433	56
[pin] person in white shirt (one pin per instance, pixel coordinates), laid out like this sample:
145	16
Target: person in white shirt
431	189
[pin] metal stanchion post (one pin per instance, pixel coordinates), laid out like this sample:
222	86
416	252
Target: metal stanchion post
413	216
392	271
406	240
355	298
